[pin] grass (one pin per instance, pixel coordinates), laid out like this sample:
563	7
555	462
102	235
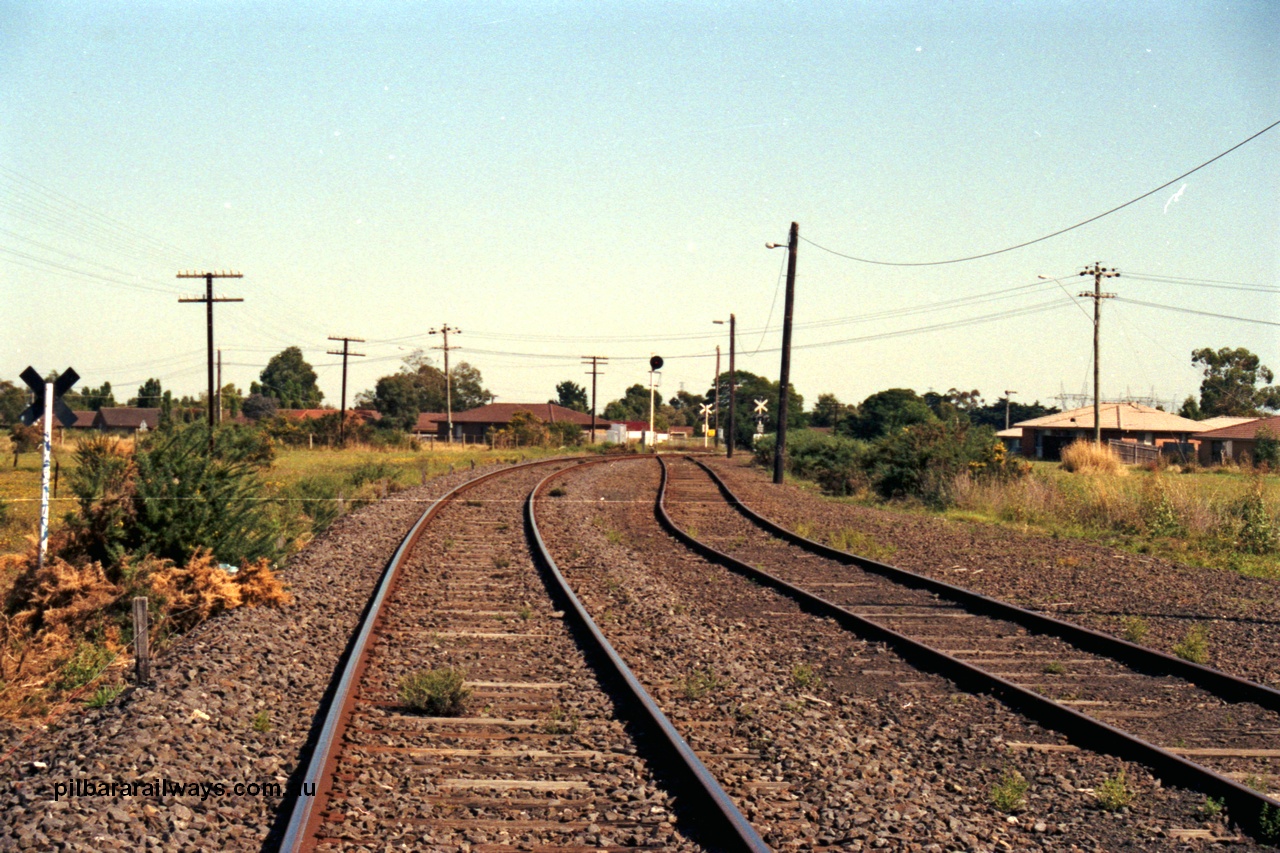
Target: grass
261	722
105	695
804	676
1135	629
700	683
437	692
1221	518
560	722
1009	793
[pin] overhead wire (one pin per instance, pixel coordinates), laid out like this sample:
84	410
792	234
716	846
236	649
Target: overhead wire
1053	234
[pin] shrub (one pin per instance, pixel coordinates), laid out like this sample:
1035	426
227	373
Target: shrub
924	460
1009	793
1255	530
1135	629
1267	451
438	692
317	498
1085	457
564	434
373	472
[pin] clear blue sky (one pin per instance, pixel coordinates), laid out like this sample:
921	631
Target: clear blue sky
561	179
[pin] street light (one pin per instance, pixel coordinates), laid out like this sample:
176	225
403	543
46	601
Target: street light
733	381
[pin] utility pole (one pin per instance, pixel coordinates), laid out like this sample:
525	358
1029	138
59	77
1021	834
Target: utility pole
444	331
733	381
1008	395
780	447
716	398
208	300
219	384
346	351
596	361
1098	272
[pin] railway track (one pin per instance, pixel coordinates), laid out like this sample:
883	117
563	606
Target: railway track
540	759
1193	726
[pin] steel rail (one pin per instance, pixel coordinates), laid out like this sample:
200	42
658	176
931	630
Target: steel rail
304	819
1229	687
1249	808
733	830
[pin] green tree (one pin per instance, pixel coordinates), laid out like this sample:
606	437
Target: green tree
12	401
90	398
290	380
1191	409
829	411
954	404
751	388
1230	385
419	387
888	411
571	395
993	414
150	395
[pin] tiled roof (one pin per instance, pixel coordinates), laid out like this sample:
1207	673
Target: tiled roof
501	413
1247	430
1132	417
123	417
428	421
1221	421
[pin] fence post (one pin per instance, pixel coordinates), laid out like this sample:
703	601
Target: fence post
141	645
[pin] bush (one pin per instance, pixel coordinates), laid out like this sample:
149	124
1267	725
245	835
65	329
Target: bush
1267	453
438	692
1009	793
317	498
1114	793
171	496
924	460
1085	457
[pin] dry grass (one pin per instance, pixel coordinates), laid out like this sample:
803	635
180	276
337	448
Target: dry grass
1085	457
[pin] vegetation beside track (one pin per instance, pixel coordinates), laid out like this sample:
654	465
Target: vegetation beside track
1223	517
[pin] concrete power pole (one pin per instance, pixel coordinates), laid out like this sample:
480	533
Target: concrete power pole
208	300
595	361
1098	272
342	415
444	331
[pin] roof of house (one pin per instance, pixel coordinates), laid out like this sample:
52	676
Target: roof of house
1133	417
681	430
1221	421
428	421
501	413
303	414
1247	430
125	417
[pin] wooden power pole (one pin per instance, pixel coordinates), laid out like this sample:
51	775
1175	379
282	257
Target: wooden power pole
346	351
444	331
1098	272
208	299
780	447
596	361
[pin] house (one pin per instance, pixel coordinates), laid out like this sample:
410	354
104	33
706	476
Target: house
473	425
1133	423
126	419
1011	438
681	432
1235	442
428	425
639	431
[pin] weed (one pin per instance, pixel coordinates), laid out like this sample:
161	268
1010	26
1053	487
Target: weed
472	503
1134	629
501	562
862	544
105	695
1269	823
791	707
613	536
524	612
1255	782
1089	458
1054	667
438	692
1194	646
447	544
557	492
679	610
560	723
262	722
804	676
1256	533
692	531
83	666
804	529
1009	793
1114	793
699	683
1212	807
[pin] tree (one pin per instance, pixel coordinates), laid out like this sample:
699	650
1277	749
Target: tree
150	395
12	401
992	414
1191	409
90	398
888	411
953	405
290	380
419	387
750	389
232	399
1230	383
829	411
571	395
256	407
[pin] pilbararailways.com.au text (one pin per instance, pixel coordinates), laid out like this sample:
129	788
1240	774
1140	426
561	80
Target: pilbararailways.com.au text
73	788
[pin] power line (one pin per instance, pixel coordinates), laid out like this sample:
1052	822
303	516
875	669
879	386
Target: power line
1200	313
1057	233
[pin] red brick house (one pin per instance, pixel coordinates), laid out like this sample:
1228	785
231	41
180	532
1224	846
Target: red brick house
1235	443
